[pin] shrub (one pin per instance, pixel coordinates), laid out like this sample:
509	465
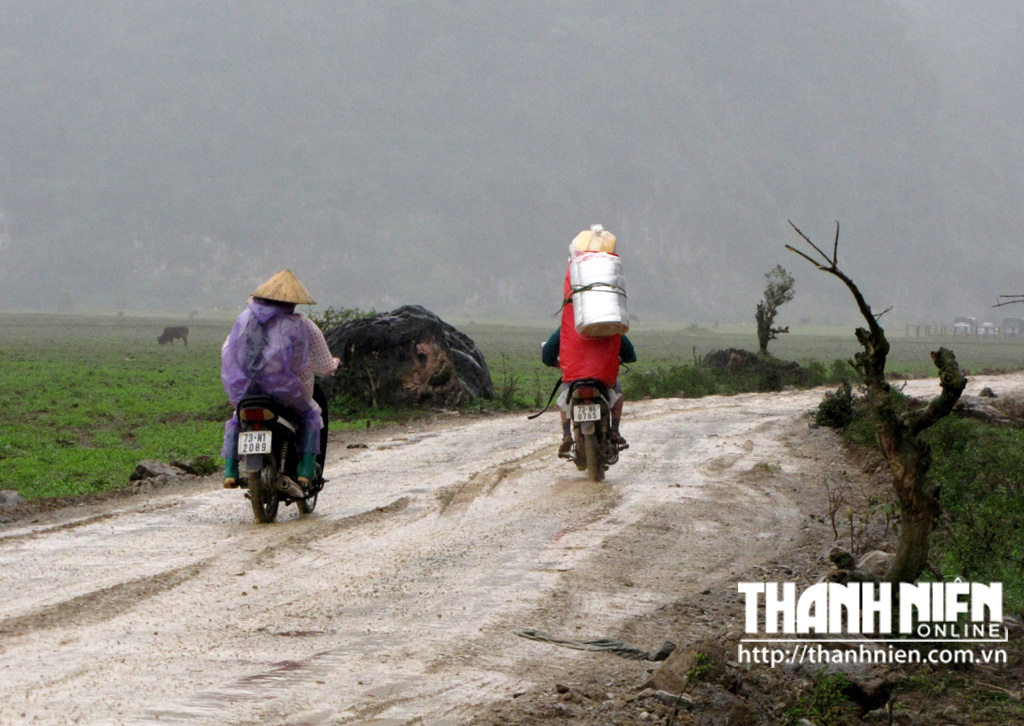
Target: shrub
826	703
332	317
836	409
671	382
980	468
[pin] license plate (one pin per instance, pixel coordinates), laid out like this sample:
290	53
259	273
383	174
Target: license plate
253	442
586	412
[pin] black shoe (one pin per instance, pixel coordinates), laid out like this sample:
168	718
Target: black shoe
565	450
620	443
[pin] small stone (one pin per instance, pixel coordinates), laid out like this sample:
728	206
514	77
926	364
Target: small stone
663	652
10	498
150	469
673	699
561	688
842	559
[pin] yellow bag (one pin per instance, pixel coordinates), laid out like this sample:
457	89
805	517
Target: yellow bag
595	239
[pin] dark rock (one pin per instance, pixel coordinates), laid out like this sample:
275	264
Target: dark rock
842	559
407	357
663	652
185	467
772	374
987	392
870	694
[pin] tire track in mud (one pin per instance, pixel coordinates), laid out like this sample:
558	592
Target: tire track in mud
46	530
457	498
99	605
321	528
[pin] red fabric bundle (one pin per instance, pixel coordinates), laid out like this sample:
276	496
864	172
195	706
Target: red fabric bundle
583	357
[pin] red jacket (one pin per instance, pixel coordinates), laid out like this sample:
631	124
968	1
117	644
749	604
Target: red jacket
582	357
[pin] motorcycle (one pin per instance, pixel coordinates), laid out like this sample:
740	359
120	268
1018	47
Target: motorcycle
268	455
593	449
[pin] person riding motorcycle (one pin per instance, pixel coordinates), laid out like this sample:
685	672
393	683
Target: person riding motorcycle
274	351
550	354
580	356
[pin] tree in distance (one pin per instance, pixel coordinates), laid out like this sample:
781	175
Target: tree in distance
777	292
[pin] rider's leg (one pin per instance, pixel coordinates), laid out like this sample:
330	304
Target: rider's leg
309	446
617	416
230	453
321	401
566	445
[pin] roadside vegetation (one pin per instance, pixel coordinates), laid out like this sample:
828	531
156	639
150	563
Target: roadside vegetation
979	469
86	398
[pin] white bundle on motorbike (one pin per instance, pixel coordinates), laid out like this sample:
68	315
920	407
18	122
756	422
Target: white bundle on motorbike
598	294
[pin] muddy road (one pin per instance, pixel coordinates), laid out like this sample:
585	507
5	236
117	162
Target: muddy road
397	601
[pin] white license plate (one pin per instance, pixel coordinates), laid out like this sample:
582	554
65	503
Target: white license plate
253	442
586	412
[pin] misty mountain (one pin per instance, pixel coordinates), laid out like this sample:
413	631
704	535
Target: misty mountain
173	154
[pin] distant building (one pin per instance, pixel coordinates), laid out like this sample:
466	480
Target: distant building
1013	327
970	322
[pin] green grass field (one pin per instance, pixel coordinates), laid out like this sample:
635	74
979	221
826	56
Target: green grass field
513	351
85	398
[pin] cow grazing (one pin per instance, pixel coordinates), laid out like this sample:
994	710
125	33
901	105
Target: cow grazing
172	332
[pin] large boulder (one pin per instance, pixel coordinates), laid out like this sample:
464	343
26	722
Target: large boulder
407	357
768	373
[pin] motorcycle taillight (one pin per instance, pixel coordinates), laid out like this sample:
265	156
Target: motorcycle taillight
585	392
256	414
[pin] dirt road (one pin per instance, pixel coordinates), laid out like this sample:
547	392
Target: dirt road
397	600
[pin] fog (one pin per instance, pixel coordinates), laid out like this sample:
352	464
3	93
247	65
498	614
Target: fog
169	156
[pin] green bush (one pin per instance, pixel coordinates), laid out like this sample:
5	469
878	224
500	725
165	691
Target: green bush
836	409
331	317
862	429
826	703
980	468
671	382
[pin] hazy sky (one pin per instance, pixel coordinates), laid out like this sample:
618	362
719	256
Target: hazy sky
171	155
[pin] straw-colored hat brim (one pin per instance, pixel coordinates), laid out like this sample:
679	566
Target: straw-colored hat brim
284	287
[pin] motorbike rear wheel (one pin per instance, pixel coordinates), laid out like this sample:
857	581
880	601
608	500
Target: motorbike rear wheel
307	505
263	492
595	469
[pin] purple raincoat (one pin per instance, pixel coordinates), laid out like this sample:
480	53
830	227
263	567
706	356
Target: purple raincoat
263	355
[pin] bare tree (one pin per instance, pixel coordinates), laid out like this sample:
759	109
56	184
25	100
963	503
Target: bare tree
899	435
777	292
1010	300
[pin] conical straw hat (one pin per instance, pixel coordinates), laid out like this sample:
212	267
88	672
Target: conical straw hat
595	239
284	287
